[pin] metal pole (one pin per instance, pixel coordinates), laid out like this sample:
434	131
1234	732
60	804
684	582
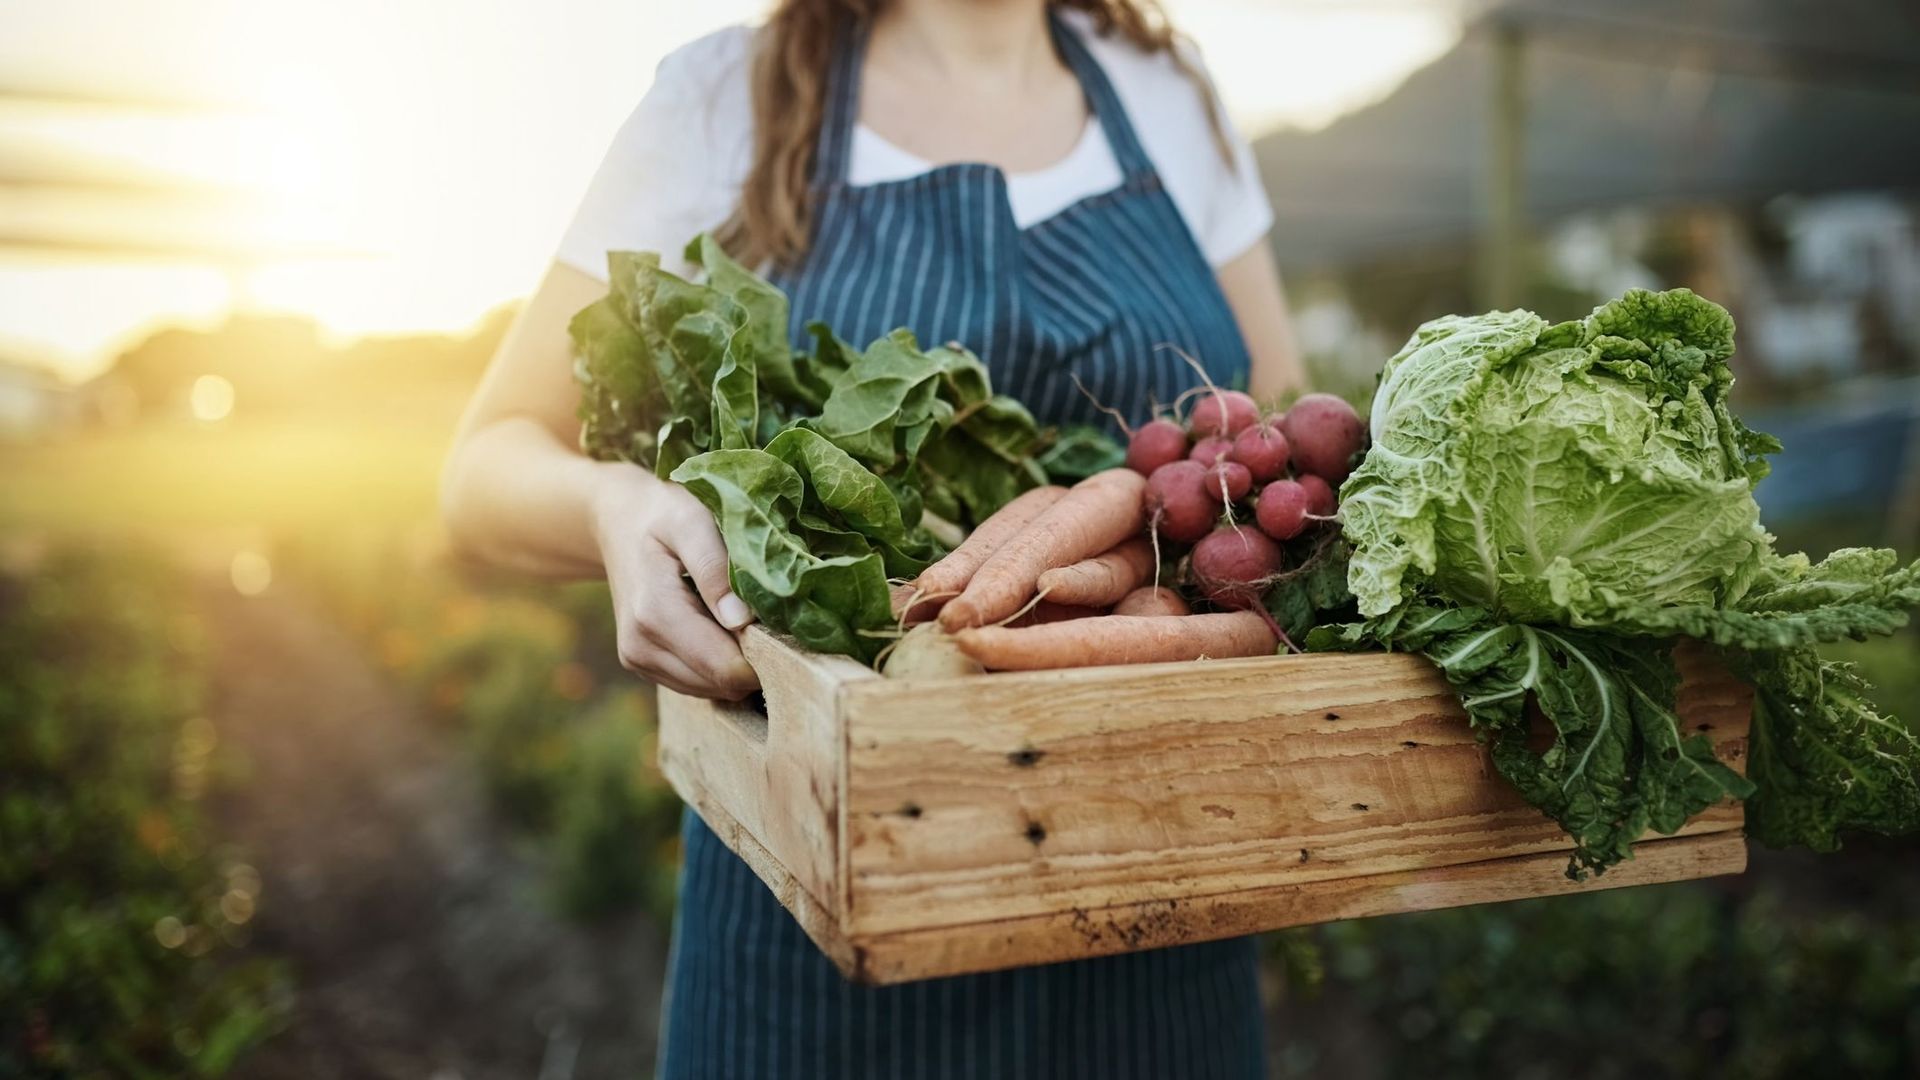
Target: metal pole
1503	181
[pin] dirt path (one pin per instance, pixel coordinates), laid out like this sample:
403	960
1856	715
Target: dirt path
422	944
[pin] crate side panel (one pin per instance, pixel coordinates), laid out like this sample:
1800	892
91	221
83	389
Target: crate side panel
777	776
1016	797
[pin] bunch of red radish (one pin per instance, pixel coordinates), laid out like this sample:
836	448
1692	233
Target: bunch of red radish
1070	577
1236	484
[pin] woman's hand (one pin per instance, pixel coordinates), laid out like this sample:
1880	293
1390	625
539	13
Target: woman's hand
650	533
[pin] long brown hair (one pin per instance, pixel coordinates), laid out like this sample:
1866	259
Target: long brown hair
773	221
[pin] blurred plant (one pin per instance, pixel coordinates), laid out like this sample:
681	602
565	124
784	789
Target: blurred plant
529	676
120	923
1665	981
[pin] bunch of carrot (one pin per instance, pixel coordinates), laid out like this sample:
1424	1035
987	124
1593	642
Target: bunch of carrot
1070	577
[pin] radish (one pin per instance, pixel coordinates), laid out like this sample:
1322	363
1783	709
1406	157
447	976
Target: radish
1223	412
1178	504
1262	449
1321	501
1229	479
1283	507
1210	449
1324	434
1232	566
1154	444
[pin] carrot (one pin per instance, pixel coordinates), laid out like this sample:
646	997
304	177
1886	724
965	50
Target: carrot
1096	514
1118	639
1103	579
1152	600
909	606
943	580
1047	611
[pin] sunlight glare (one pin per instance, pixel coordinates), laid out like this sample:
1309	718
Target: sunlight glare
384	168
251	572
211	398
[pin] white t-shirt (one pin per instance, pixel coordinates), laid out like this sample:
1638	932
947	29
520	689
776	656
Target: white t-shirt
676	166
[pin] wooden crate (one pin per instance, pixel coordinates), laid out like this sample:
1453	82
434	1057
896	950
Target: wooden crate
938	827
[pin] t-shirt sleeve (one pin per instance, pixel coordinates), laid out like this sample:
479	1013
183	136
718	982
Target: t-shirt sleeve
674	168
1236	214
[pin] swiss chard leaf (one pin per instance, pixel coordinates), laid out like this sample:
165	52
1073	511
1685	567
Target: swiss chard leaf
1079	452
825	602
844	491
886	404
763	333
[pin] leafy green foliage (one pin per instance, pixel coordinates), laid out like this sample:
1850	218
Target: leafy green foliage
818	466
1315	589
119	920
1081	451
1546	507
1666	981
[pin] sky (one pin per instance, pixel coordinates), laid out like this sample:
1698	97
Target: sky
398	165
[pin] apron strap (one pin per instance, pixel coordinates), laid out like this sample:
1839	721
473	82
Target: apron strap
842	109
1102	98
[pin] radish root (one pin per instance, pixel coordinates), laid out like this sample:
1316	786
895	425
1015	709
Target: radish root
1102	406
1197	369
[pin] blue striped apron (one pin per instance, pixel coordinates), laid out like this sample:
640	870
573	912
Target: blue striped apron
1090	292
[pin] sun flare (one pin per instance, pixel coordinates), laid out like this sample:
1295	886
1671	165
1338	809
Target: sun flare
388	169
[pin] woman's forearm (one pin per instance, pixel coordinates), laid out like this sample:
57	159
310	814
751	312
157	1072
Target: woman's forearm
514	496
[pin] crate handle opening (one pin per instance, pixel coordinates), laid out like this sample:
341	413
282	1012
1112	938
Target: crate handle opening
749	715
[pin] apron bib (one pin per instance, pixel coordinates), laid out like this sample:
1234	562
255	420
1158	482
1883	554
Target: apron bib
1093	292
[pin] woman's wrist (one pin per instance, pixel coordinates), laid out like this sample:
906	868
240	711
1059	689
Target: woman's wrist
614	490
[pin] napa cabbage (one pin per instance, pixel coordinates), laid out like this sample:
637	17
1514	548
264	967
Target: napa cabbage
1547	508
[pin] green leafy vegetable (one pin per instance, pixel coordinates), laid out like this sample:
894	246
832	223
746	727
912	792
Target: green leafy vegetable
1546	507
818	466
1080	452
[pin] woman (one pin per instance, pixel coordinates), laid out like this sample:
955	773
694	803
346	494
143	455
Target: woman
1051	184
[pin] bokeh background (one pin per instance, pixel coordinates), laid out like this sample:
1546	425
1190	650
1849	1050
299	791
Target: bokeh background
284	793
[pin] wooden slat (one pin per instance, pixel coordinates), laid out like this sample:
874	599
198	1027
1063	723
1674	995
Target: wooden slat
821	924
779	782
1079	933
1013	796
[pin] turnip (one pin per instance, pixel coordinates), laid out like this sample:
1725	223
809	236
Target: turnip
1324	434
1152	600
1321	501
927	652
1282	508
1262	449
1223	412
1177	502
1233	566
1210	449
1230	480
1154	444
